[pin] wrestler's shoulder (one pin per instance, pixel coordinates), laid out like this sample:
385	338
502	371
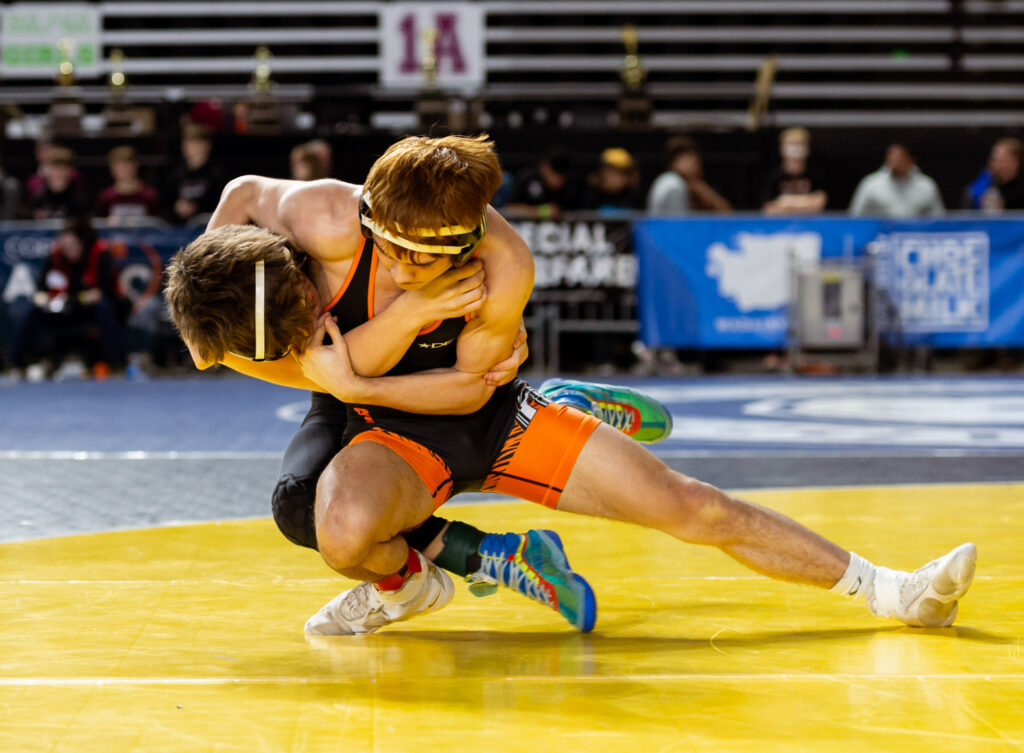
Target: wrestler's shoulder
323	217
325	197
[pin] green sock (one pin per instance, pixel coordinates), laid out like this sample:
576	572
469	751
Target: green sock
461	551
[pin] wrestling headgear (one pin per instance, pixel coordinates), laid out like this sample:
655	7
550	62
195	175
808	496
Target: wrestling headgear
457	240
260	320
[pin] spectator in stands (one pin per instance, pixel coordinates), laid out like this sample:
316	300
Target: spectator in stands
36	182
682	189
77	299
898	189
615	186
128	196
323	150
198	180
10	196
306	163
59	196
1000	186
794	188
547	189
207	114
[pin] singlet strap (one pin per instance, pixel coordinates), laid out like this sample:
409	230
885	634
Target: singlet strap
367	247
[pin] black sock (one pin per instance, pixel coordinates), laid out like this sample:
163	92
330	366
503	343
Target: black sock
419	538
461	551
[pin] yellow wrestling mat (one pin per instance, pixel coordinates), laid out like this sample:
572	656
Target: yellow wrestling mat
190	639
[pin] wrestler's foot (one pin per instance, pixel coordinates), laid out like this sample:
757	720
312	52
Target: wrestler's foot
926	597
534	564
632	412
365	608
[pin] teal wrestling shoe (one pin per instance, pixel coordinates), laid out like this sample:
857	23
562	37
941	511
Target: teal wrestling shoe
635	414
535	565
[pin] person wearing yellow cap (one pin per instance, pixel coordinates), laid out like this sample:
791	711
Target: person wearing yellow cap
614	187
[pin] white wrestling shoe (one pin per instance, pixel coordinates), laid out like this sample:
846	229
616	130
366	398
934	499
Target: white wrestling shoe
364	609
928	596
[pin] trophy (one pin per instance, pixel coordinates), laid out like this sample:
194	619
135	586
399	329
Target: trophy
762	92
66	108
263	114
117	118
429	64
66	67
120	118
634	103
261	82
431	109
118	81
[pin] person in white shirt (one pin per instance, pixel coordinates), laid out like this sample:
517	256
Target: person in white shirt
681	189
897	190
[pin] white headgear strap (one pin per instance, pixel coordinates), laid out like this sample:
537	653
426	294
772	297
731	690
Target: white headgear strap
261	291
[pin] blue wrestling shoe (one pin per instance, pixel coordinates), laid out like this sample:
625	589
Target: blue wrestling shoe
534	564
635	414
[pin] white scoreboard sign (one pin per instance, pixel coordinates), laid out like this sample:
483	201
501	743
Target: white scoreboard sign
457	31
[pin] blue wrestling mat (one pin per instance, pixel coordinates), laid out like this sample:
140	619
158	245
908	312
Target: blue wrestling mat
920	416
915	415
84	456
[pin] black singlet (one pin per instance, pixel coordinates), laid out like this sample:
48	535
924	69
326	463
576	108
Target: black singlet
433	348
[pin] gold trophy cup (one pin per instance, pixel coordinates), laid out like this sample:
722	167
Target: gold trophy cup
634	103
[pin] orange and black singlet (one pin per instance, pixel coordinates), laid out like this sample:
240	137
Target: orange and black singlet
516	443
434	346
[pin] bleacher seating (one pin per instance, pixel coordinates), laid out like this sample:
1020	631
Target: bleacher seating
840	62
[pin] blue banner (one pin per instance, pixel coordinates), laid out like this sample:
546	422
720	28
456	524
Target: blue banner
710	282
140	252
725	282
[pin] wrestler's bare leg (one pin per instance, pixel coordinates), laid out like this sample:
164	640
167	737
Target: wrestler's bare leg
615	478
365	498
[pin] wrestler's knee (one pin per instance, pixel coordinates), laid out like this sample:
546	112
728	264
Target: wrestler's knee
681	506
346	528
705	514
293	503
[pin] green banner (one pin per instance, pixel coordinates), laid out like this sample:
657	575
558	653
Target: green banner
35	38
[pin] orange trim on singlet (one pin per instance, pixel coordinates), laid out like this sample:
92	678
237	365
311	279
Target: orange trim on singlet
535	462
432	470
348	279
